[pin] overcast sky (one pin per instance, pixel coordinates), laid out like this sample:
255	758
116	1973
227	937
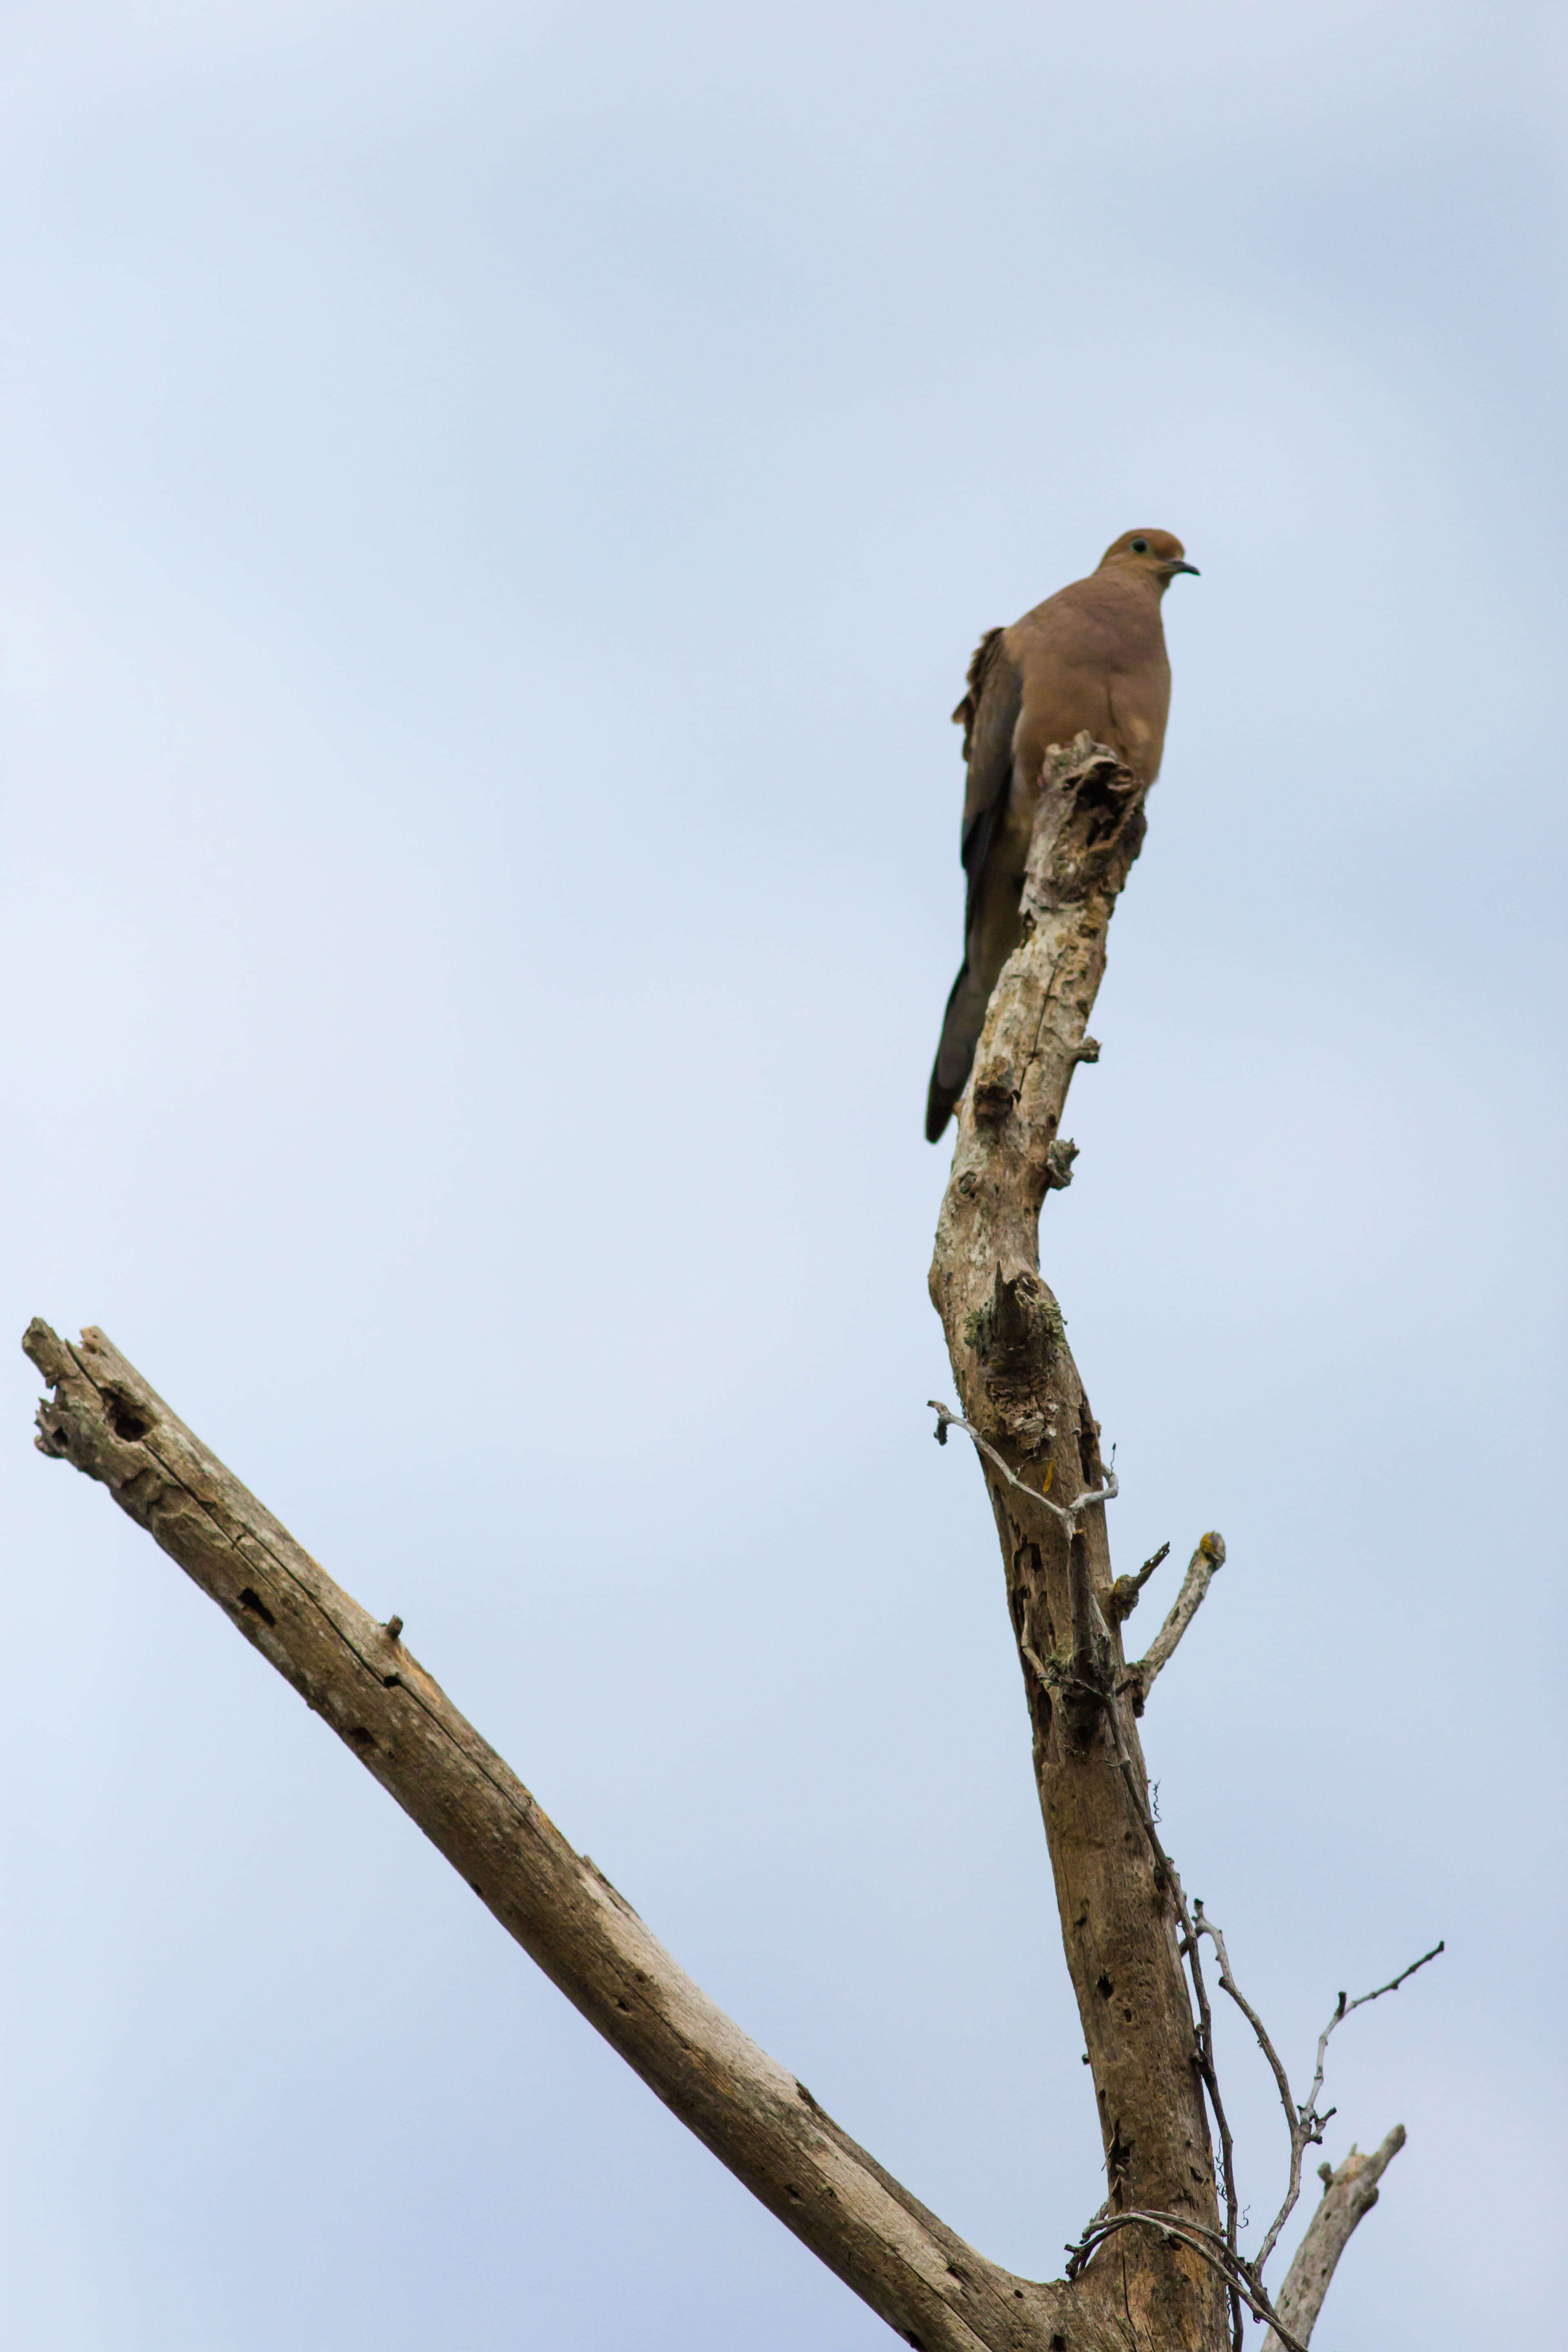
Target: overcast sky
498	503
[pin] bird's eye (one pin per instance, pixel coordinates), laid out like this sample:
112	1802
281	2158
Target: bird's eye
1140	547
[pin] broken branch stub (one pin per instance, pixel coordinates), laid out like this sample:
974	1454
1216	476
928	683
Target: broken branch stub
1202	1569
1350	2192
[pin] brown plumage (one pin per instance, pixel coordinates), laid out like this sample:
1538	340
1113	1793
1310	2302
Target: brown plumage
1092	656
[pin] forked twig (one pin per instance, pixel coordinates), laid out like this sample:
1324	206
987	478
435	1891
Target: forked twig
1344	2008
1304	2123
1068	1513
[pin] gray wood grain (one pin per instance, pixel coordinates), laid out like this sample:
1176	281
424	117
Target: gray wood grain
362	1681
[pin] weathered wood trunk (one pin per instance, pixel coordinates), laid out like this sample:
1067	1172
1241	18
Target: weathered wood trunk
1020	1389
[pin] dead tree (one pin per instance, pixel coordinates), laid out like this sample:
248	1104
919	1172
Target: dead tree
1160	2264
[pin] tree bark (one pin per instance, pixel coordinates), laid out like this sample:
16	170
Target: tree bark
1350	2192
361	1678
1020	1389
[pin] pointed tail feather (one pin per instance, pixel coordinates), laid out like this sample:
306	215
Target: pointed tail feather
961	1027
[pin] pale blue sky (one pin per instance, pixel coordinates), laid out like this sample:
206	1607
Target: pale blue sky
500	502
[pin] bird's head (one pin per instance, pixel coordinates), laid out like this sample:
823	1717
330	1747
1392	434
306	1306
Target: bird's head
1155	555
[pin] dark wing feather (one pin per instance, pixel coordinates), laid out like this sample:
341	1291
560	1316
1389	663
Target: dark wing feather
989	716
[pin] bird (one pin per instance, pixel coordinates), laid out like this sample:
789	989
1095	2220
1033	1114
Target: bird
1091	656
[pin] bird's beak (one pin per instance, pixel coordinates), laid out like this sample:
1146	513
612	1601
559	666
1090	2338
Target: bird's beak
1170	569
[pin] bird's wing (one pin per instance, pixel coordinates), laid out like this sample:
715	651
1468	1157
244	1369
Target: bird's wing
988	715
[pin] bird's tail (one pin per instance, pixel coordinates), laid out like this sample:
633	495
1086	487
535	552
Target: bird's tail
961	1027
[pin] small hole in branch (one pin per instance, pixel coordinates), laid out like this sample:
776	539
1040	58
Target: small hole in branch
125	1418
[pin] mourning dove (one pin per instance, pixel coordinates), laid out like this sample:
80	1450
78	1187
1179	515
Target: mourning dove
1092	656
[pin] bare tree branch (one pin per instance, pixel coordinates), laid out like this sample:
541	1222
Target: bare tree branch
1021	1395
1202	1569
1303	2122
356	1674
1350	2192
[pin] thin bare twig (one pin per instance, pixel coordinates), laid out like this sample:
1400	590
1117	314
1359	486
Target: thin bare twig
1294	2117
1207	2245
1086	1685
1344	2007
1304	2122
1068	1513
